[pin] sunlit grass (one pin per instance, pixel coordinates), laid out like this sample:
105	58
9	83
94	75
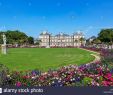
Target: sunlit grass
44	58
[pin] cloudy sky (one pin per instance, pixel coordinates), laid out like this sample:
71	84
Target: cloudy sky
67	16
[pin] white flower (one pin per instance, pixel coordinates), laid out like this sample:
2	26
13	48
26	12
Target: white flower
98	77
59	81
39	84
97	84
71	80
8	75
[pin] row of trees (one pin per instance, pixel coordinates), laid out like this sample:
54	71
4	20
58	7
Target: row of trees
16	37
104	37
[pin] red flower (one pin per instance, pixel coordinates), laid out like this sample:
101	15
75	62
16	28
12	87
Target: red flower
24	84
111	79
26	77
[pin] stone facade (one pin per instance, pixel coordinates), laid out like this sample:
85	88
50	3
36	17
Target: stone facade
61	39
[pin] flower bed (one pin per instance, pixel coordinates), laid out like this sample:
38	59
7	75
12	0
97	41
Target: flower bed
93	49
94	74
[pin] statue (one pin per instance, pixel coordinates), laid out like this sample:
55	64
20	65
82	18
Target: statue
4	48
4	39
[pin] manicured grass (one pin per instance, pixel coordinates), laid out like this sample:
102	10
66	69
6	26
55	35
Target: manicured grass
44	58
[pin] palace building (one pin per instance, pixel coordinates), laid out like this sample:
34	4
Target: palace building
61	39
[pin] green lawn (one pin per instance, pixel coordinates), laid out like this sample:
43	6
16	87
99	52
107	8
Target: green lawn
44	58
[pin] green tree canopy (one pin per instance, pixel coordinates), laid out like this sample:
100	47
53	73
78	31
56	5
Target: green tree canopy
16	37
30	40
96	41
106	35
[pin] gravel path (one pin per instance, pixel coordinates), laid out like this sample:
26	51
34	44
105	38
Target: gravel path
97	58
97	55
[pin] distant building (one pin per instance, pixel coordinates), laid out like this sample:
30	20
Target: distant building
91	38
61	39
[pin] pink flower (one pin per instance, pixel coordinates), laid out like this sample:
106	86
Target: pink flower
18	84
108	76
105	83
98	62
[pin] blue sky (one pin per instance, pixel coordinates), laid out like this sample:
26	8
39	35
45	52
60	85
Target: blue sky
67	16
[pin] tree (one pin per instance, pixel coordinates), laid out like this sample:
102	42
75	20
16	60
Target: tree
82	40
30	40
106	35
96	41
14	37
1	37
38	41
